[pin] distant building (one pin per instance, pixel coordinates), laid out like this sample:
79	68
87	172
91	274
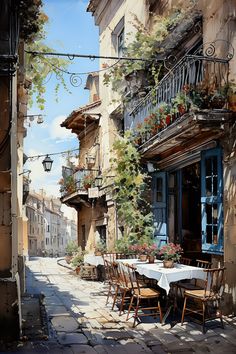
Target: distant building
49	231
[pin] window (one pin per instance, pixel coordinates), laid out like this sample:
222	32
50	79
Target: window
102	231
120	42
212	201
159	206
118	36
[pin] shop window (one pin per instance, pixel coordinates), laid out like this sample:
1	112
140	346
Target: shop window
212	201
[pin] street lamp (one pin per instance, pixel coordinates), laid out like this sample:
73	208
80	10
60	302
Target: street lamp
47	164
98	181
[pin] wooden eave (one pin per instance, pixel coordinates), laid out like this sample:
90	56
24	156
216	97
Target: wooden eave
81	119
186	134
76	199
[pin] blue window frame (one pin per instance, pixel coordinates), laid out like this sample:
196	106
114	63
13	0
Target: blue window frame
212	201
159	207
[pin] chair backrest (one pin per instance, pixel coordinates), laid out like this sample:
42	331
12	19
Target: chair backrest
110	270
133	279
203	264
186	261
214	285
109	256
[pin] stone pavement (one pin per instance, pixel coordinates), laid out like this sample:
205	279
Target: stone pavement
79	321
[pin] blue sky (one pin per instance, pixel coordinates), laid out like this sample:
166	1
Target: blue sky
71	30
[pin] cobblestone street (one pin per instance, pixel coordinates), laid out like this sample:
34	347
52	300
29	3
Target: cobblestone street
79	321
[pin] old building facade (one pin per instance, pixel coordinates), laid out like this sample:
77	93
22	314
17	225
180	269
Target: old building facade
15	30
185	126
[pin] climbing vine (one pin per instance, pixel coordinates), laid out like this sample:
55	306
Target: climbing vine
40	68
130	185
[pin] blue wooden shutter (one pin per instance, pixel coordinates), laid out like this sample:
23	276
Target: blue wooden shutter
212	201
159	207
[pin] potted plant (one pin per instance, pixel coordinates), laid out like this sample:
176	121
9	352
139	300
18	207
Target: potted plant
152	251
141	250
71	250
88	180
170	253
181	103
78	259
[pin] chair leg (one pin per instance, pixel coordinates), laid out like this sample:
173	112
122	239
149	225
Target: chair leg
203	317
136	311
130	305
122	302
220	314
183	312
115	297
108	294
160	312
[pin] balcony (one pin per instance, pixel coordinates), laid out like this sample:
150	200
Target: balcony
75	184
196	83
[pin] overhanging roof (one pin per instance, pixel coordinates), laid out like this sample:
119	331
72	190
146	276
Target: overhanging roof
188	135
82	117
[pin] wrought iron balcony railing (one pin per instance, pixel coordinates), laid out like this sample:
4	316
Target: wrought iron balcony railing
197	74
77	181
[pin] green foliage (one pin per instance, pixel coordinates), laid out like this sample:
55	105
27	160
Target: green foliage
123	245
78	258
72	248
147	44
39	68
130	182
101	246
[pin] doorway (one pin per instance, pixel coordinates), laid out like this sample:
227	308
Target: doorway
191	208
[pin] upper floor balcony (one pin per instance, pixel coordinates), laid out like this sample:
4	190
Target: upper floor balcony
196	83
75	184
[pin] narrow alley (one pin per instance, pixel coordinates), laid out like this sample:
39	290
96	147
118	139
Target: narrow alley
78	321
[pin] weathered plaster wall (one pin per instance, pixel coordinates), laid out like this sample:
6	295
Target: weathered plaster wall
114	12
230	217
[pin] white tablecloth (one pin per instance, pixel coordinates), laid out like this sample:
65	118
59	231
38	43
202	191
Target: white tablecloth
93	260
165	276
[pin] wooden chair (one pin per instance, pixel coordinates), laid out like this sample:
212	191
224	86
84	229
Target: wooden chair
186	261
112	280
211	294
109	256
203	264
193	284
141	294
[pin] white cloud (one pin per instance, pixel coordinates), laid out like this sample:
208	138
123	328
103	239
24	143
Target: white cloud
57	132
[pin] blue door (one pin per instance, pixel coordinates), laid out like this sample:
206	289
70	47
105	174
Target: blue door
159	207
212	201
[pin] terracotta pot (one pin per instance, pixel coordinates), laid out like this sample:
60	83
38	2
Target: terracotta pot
77	270
168	263
151	259
143	257
168	119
